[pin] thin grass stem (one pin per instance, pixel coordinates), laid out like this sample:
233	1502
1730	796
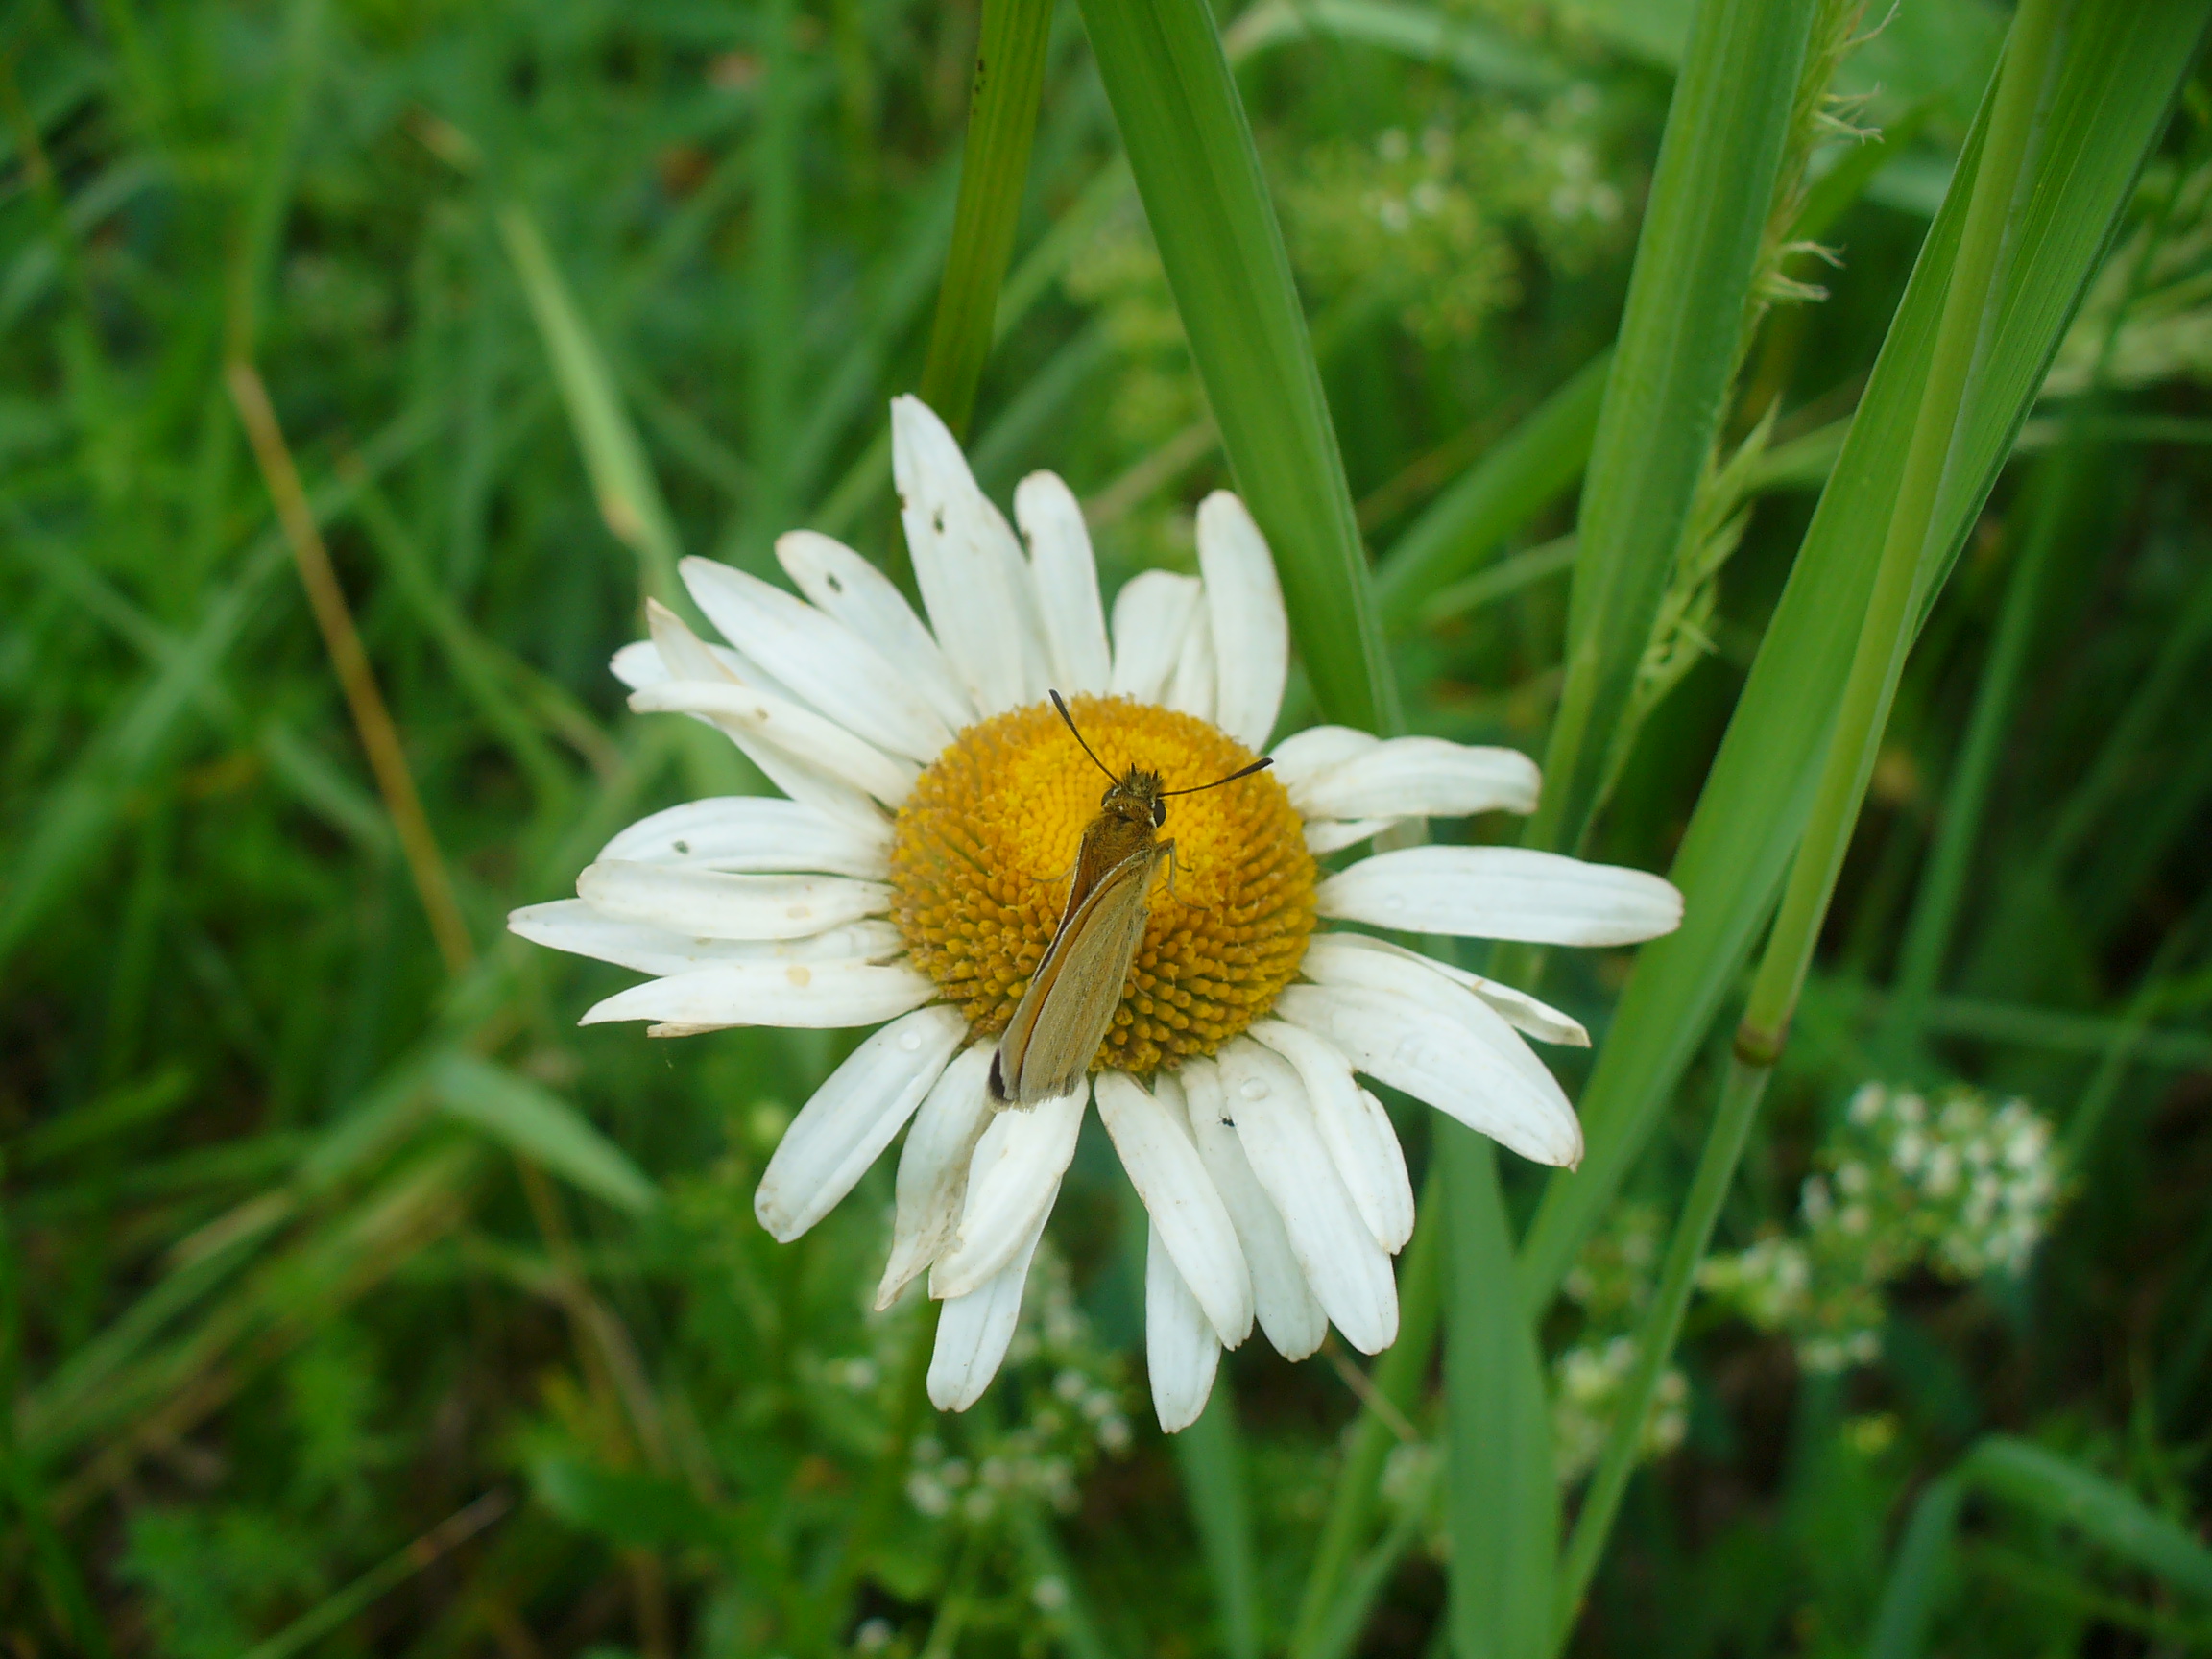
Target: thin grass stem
356	679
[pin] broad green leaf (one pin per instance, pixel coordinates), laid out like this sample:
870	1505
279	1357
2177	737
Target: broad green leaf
532	1121
2117	79
1688	296
1192	154
626	1506
1478	50
2060	1490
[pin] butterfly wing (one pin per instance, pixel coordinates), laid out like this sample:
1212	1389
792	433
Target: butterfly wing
1063	1015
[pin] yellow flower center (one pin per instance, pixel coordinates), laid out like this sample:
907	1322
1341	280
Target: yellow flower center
984	853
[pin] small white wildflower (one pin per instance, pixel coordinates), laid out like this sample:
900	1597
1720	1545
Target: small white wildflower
927	1496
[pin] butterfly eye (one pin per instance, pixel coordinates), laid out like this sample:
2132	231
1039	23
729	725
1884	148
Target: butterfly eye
1159	813
1107	799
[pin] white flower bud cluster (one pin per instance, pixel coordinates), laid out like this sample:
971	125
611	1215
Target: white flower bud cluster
1958	1186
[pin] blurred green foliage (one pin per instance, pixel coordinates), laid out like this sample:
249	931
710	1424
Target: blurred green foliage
310	1241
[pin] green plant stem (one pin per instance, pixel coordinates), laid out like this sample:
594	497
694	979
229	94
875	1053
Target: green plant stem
1877	662
1002	126
1740	1097
1888	628
1396	1380
396	1569
2116	81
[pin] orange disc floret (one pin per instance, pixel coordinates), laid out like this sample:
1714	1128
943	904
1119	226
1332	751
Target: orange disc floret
984	852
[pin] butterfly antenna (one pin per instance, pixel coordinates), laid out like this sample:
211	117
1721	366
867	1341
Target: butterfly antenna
1087	749
1243	772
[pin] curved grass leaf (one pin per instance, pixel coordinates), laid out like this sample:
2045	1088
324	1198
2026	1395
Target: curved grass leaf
542	1127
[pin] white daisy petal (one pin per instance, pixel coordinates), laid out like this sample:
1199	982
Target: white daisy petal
1419	777
685	657
1011	1180
1251	636
1307	753
1325	835
1187	1212
1360	1142
841	583
1399	1215
755	832
638	663
851	1117
1281	1298
934	1168
1517	1008
1457	1067
1151	613
793	731
1349	1271
974	1330
967	563
1503	893
1191	687
712	905
572	925
1182	1351
836	993
1066	579
822	661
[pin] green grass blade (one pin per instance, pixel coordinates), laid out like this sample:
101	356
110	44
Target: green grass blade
1211	1458
2112	91
1192	154
1917	1574
1696	260
1501	1499
1001	124
621	476
2056	1489
539	1124
1516	479
1483	54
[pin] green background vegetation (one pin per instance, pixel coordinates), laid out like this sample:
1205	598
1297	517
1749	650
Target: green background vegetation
351	1299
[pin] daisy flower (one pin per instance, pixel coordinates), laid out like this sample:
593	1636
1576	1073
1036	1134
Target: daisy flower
915	870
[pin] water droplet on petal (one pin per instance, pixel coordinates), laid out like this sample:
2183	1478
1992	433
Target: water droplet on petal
910	1040
1253	1089
1393	900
